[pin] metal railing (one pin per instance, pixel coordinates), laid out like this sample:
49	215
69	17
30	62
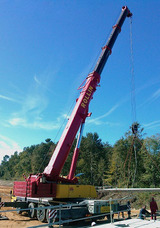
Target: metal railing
115	189
52	221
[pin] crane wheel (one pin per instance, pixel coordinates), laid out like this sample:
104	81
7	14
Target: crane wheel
32	212
109	216
41	213
47	217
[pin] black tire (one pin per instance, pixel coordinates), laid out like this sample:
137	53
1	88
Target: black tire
32	212
41	213
109	217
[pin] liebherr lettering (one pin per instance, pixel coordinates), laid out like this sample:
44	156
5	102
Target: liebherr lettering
87	97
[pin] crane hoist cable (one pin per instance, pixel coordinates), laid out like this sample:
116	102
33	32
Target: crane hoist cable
129	164
133	108
135	171
134	116
128	154
128	157
133	100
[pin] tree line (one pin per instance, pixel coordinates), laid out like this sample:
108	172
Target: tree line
133	161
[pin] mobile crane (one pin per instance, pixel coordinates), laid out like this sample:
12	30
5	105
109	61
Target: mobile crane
50	185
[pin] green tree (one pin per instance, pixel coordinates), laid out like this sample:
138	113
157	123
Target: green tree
126	163
92	159
151	158
41	156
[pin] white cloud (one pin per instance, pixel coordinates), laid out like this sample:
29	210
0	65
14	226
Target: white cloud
37	123
152	125
8	98
44	125
65	116
153	97
97	121
17	121
31	109
8	147
37	80
156	95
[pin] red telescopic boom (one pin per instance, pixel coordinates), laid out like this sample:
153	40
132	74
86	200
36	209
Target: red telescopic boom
80	111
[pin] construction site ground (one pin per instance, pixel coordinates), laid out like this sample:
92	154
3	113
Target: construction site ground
15	220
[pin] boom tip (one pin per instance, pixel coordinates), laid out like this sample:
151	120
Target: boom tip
129	13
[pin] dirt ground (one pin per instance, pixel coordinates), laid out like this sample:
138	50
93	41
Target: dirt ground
21	221
14	220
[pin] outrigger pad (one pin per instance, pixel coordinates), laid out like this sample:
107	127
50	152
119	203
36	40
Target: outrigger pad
3	217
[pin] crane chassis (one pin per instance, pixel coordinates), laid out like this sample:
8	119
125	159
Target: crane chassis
49	188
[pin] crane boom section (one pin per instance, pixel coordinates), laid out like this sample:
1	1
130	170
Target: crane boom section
80	111
107	49
78	116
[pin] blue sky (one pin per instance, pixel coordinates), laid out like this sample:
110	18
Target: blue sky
47	48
